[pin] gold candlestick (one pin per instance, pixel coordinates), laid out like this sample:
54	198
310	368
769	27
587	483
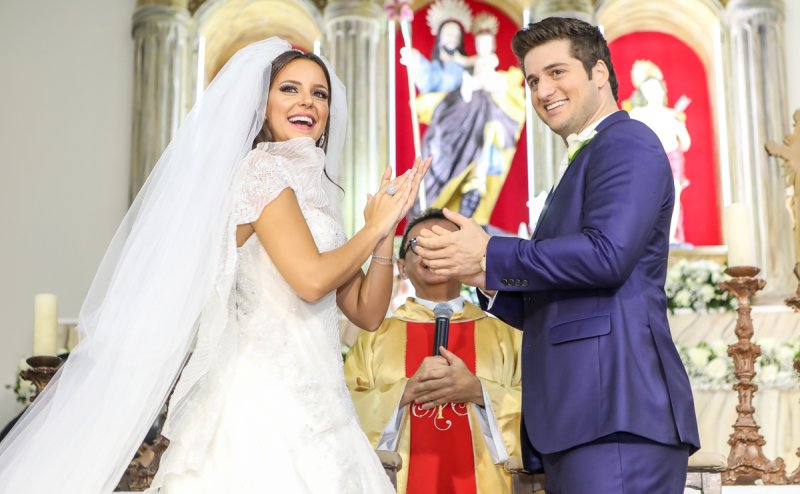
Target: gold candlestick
746	461
794	302
42	369
794	478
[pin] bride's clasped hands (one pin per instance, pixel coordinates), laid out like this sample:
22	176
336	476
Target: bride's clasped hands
394	198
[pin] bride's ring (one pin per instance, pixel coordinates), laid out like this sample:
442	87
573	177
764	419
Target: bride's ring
391	190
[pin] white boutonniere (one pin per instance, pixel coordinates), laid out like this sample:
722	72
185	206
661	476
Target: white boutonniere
576	142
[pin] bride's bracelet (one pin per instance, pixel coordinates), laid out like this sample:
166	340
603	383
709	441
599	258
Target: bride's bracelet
388	261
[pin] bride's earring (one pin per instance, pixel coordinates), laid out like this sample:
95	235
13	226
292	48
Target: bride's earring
321	140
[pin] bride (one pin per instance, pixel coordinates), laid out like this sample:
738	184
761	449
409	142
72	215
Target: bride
232	251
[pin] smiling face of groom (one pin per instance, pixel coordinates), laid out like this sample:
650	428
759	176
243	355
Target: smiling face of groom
564	95
568	68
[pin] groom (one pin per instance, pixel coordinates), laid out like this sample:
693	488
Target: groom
606	401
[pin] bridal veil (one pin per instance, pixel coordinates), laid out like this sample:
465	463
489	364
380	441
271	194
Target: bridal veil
167	272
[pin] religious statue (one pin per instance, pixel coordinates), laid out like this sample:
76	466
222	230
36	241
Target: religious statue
648	104
790	153
448	20
473	127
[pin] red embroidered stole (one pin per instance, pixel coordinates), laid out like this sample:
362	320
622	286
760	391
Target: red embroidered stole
441	459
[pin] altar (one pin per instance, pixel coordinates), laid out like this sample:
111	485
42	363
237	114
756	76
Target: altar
777	401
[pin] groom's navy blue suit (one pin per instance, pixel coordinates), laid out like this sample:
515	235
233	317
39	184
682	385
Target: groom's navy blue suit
588	292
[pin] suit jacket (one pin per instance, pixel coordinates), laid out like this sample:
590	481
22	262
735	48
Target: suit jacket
588	292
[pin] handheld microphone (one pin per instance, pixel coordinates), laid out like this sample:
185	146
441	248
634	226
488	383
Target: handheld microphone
442	312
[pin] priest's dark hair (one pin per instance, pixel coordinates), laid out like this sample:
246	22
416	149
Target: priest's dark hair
428	214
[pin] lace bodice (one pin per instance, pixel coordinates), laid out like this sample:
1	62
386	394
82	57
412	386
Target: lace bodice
272	167
272	318
269	169
276	395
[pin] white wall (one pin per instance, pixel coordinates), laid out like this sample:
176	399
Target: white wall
65	118
792	36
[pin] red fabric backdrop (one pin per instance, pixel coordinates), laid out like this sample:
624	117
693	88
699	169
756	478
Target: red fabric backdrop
683	74
510	209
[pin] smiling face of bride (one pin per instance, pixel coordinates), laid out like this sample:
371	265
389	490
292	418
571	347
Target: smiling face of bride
299	99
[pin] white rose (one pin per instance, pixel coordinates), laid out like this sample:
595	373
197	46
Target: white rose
26	388
683	298
785	379
698	357
719	347
767	344
768	373
673	276
717	369
786	354
707	292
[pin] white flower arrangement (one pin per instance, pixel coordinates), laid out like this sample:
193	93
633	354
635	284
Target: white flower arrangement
695	285
708	365
710	368
775	367
22	389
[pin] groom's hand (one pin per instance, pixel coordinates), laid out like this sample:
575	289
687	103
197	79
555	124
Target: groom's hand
456	254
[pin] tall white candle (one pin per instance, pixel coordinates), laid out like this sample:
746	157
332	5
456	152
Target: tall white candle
45	324
739	235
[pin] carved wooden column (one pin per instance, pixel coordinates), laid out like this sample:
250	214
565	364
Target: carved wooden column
161	92
746	461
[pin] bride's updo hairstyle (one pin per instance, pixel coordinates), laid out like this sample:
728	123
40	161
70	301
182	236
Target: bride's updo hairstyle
278	64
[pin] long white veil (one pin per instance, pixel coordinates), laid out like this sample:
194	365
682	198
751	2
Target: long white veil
169	263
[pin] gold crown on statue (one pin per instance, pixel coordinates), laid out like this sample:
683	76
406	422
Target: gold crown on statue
449	10
643	70
485	23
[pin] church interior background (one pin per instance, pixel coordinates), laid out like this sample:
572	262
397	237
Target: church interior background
92	93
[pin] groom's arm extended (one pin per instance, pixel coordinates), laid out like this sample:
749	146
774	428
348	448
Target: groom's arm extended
625	194
507	306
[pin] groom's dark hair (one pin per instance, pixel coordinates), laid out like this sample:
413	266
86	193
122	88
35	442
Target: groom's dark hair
587	43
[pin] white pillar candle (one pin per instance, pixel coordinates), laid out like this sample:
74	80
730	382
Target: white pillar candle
45	324
739	235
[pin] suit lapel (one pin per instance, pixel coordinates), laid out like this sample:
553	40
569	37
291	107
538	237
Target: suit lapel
611	119
542	215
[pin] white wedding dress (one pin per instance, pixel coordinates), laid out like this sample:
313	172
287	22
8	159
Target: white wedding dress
276	415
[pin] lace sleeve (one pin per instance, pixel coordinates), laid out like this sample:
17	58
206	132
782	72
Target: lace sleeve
264	177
